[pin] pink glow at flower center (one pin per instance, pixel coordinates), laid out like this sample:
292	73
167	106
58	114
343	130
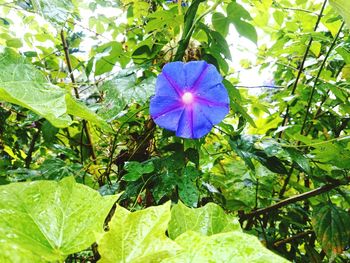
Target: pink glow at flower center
187	98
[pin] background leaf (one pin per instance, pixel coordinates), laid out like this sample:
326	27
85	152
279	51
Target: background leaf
343	8
56	11
332	228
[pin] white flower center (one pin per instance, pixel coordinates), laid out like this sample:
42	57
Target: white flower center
187	98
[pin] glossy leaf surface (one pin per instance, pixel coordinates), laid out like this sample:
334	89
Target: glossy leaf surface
49	220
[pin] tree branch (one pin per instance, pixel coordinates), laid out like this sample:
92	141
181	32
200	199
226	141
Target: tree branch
292	238
70	70
36	135
294	199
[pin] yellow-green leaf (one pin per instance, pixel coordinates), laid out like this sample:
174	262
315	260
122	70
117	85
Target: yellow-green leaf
343	8
224	247
138	236
48	220
207	220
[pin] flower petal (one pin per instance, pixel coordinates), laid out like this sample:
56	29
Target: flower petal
185	125
174	74
166	112
164	88
194	71
193	124
214	95
208	78
214	113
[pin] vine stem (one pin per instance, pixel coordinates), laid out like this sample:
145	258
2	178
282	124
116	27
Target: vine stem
114	144
301	68
36	135
70	70
320	190
318	76
292	238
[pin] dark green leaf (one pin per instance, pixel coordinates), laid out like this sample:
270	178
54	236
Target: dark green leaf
245	29
299	159
220	23
332	228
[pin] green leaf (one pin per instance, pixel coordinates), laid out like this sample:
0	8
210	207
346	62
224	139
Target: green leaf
224	247
46	219
239	16
345	53
332	228
14	42
246	30
80	110
219	44
136	170
299	159
279	17
22	84
233	92
163	19
49	132
138	236
271	162
188	29
108	55
343	8
239	109
56	11
236	12
220	23
188	190
123	90
208	220
12	253
337	154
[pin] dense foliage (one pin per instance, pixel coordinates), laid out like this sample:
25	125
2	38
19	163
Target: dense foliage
86	175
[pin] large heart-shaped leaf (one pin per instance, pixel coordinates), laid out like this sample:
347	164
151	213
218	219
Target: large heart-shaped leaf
138	236
207	220
48	220
332	228
224	247
22	84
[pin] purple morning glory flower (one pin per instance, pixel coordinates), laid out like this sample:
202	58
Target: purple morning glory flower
190	99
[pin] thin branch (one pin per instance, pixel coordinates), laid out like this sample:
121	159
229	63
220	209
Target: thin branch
294	199
36	135
259	87
301	68
296	10
318	76
292	238
85	123
114	144
285	183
